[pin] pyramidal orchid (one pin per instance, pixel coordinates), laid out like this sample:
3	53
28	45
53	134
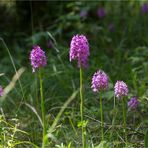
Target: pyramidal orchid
133	103
100	83
38	60
121	91
79	51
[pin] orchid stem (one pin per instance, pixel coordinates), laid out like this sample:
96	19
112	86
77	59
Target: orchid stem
42	109
102	122
124	120
81	106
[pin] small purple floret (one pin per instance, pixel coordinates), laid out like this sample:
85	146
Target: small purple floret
144	8
79	50
111	27
120	89
99	81
133	103
38	58
83	14
101	12
1	91
49	44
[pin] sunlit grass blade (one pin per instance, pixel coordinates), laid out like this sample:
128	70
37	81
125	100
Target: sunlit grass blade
51	129
11	85
12	61
35	112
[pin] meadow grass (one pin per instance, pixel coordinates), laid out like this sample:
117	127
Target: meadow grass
70	120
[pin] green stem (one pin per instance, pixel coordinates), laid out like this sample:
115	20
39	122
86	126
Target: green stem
102	122
115	111
42	109
36	90
81	106
124	120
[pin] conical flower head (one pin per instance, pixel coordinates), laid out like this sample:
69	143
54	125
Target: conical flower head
133	103
79	50
99	81
120	89
38	58
1	91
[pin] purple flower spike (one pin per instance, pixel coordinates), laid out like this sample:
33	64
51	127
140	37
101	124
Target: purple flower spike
79	50
83	14
99	81
1	91
38	58
144	8
133	103
111	27
101	12
120	89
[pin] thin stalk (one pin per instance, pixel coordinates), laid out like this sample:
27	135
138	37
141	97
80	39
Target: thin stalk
114	119
32	25
124	120
73	126
102	122
36	90
42	109
81	105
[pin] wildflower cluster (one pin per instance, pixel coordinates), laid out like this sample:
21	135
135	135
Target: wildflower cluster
121	89
133	103
38	58
79	50
99	81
